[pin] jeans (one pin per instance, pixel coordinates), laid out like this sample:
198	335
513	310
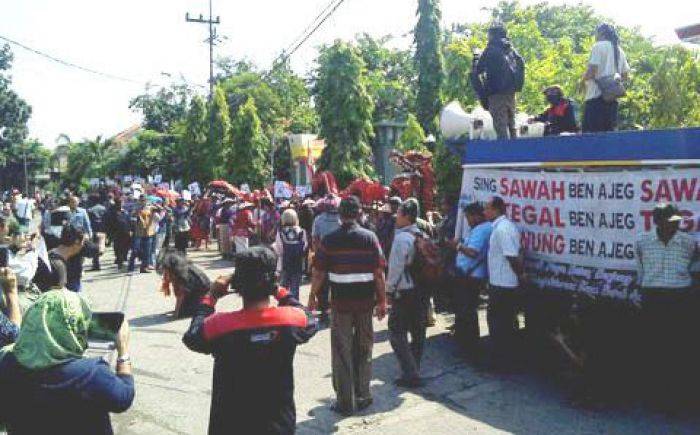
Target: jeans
408	316
292	281
182	239
140	247
121	244
599	115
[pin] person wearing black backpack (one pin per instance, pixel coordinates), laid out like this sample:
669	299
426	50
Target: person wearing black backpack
291	246
409	302
499	72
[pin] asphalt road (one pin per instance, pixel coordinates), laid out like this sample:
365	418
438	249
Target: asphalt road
174	385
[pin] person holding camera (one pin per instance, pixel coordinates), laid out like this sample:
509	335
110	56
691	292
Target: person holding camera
253	348
47	384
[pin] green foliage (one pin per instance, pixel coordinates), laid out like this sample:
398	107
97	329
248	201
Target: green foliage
297	115
429	63
413	137
193	161
390	77
14	112
90	158
448	170
220	137
248	160
164	108
345	112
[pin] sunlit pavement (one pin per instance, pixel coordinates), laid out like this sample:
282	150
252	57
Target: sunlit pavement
173	385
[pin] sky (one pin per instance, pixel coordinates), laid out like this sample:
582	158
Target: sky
148	41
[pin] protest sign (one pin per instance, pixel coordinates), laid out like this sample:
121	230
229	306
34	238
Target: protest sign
186	195
283	190
578	229
194	188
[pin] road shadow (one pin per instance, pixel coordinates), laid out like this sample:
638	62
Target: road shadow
525	399
152	320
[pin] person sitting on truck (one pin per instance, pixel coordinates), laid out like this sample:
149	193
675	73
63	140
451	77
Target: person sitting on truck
559	117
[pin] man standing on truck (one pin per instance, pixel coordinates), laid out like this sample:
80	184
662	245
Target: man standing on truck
503	71
664	260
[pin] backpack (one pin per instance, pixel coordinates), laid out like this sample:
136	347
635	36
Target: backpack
292	250
426	268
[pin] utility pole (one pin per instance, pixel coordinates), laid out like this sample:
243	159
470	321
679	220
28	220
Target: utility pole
212	41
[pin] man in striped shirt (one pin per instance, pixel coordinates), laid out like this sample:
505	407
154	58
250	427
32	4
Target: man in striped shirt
352	261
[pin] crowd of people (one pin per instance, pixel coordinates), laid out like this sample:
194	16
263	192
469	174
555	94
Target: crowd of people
362	260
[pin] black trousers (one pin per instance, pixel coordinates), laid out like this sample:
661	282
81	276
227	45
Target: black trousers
408	317
182	239
466	305
502	318
600	115
121	245
670	345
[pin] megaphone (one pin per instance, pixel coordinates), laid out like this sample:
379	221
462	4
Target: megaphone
454	121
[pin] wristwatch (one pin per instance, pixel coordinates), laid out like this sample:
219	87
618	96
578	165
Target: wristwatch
124	359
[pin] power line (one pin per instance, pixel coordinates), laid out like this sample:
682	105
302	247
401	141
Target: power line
85	69
70	64
307	28
328	13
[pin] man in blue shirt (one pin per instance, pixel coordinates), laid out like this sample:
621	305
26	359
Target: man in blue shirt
471	276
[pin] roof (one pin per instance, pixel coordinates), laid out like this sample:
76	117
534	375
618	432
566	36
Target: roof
124	137
689	33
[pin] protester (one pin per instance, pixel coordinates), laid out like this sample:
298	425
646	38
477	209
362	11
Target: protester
386	224
306	222
472	272
97	213
189	283
160	229
506	274
352	261
48	386
10	233
269	221
24	211
253	386
79	216
325	223
118	227
445	231
409	302
607	61
9	324
201	224
65	266
181	225
504	71
144	231
223	223
291	245
243	226
664	261
559	117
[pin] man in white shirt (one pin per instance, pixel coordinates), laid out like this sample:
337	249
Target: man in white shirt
607	59
506	274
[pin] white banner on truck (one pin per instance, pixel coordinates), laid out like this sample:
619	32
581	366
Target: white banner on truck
579	228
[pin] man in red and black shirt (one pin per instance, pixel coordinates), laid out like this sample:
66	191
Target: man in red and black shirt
559	117
351	259
253	388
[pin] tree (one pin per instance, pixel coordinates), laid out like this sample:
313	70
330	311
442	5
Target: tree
345	112
429	63
14	115
162	109
192	148
390	77
413	137
221	133
89	158
297	114
248	161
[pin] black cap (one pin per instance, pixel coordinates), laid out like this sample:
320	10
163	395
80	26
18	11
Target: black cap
349	207
667	213
410	208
